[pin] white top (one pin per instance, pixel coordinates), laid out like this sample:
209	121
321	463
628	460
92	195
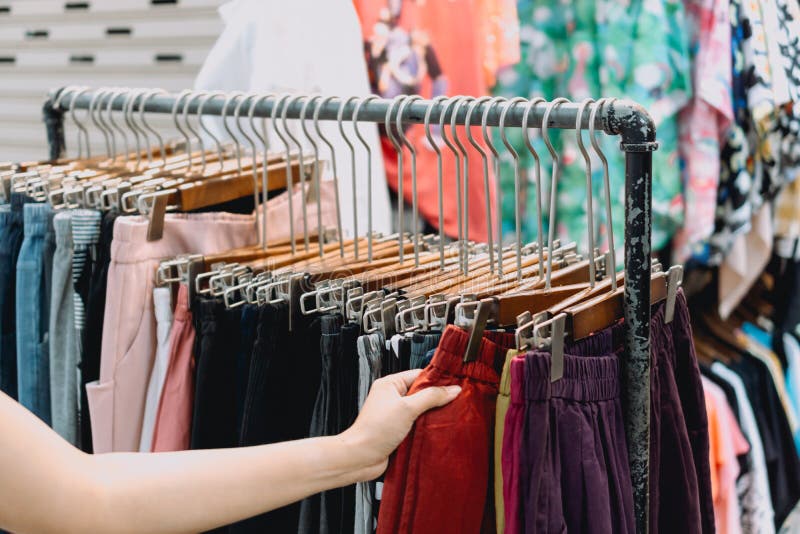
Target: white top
304	47
757	515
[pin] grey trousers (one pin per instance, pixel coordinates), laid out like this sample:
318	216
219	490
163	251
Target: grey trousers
64	379
370	354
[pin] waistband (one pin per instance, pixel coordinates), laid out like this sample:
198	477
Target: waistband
200	233
85	227
611	340
209	311
37	219
62	225
449	356
182	312
517	373
18	200
586	378
505	376
107	226
330	325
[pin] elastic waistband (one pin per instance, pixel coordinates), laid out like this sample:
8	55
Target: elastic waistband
209	312
62	226
182	312
85	227
330	325
449	356
162	304
18	200
37	219
586	378
517	373
505	376
200	233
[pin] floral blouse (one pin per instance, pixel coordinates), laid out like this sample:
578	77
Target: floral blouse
593	48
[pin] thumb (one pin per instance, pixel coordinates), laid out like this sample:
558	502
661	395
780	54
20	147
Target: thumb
432	397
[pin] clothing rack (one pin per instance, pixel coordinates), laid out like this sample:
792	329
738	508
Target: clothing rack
618	117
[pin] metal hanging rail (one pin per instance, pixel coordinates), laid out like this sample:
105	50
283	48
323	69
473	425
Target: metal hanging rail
621	117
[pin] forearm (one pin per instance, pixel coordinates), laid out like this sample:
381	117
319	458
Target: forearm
198	490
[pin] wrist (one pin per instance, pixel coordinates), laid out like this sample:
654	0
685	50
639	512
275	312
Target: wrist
362	460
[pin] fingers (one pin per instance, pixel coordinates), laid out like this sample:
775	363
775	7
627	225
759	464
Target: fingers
432	397
404	380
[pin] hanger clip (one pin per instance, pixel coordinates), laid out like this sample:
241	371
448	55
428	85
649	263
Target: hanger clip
674	279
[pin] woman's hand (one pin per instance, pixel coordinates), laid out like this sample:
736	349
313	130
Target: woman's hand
387	417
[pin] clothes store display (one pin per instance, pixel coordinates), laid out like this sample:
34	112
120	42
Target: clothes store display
214	334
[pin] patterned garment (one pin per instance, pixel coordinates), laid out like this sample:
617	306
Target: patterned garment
705	121
582	48
85	236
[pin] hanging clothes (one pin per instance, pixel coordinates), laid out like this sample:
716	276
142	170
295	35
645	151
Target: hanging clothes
278	47
435	49
582	49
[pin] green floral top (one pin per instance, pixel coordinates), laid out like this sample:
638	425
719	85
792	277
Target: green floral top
635	49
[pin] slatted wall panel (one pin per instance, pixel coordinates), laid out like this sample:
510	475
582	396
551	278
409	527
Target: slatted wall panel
134	43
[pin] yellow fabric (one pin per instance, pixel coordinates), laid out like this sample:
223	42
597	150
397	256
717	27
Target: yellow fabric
503	401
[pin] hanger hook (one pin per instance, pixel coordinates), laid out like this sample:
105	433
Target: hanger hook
235	140
325	140
106	93
98	94
185	114
354	119
289	174
538	177
254	164
404	140
149	128
486	187
439	174
462	182
109	109
551	230
447	105
183	94
517	179
81	127
127	116
606	182
400	172
339	115
290	135
496	169
589	189
203	101
263	136
315	177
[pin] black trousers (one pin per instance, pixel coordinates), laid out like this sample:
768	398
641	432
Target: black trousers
281	391
335	409
214	413
91	285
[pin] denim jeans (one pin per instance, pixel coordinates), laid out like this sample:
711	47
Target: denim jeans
33	303
10	241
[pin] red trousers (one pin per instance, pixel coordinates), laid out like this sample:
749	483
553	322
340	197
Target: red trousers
438	480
